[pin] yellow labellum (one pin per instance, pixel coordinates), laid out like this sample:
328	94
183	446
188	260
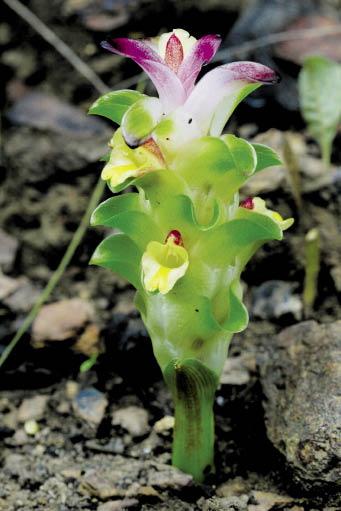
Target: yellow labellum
260	207
163	264
125	162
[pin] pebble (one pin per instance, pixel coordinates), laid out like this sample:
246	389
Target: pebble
31	427
301	379
133	419
61	320
164	425
7	286
274	298
116	505
265	501
8	250
233	488
90	405
33	408
44	112
225	504
234	372
167	476
21	295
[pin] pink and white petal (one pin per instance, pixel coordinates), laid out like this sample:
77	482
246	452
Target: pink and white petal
174	132
222	82
168	85
200	54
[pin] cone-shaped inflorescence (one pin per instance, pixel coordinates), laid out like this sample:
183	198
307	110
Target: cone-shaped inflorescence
185	238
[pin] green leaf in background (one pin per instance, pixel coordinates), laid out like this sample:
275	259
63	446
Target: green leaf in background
320	98
115	104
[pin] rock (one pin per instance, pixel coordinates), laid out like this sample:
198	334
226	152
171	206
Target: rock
234	372
97	485
133	418
8	251
61	320
116	505
274	298
167	476
225	504
7	286
90	404
31	427
33	408
301	379
336	276
114	446
53	152
164	425
22	296
233	488
89	342
45	112
266	501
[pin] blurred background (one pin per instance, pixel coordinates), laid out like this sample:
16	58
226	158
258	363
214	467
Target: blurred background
52	68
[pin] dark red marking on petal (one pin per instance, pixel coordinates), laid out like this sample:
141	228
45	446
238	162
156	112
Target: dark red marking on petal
248	203
176	236
174	53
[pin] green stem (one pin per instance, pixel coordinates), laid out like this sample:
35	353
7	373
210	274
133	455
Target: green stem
193	387
76	239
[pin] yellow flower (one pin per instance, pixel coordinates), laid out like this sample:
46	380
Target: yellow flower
125	162
163	264
258	205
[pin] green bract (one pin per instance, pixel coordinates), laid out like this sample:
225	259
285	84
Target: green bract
185	238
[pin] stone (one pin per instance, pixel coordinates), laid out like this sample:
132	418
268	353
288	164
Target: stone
164	425
167	476
116	505
301	378
90	405
233	488
225	504
44	112
20	294
61	320
234	372
336	276
273	299
95	484
134	419
7	286
8	250
265	501
33	408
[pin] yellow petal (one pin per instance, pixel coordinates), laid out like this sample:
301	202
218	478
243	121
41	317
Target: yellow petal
163	264
125	162
259	206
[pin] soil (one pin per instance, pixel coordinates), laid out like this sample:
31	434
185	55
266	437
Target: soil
67	450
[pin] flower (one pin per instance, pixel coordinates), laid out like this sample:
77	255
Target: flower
173	62
163	264
257	205
125	162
